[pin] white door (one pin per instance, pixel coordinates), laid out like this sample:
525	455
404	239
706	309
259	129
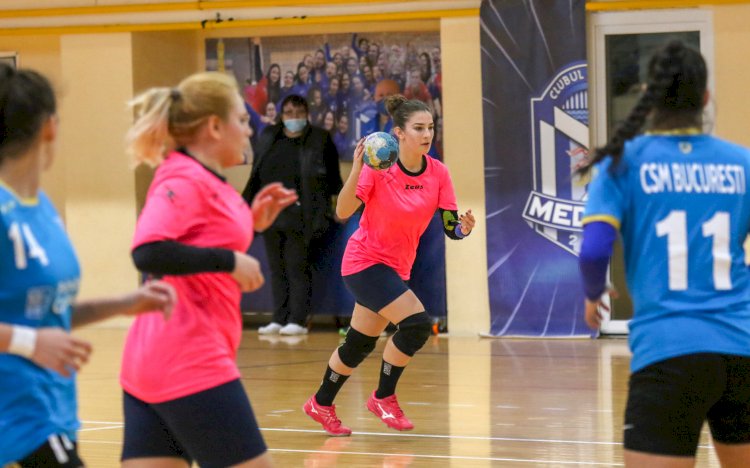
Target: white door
620	45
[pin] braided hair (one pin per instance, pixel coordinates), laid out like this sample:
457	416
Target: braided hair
677	77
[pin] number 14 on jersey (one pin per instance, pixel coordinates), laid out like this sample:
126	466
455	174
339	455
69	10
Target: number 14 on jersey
23	239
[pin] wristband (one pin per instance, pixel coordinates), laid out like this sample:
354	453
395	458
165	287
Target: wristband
459	233
22	341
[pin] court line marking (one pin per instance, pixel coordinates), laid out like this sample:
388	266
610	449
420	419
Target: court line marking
452	457
458	437
426	436
413	455
90	429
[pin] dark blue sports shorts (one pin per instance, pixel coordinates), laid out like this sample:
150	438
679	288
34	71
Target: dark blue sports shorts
375	287
214	428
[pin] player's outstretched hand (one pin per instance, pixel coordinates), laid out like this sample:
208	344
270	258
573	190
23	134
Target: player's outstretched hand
269	202
247	272
152	296
467	222
60	351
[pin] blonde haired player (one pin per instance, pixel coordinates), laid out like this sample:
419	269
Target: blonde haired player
183	398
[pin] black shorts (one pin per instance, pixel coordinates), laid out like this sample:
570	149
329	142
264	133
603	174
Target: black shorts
375	287
214	428
58	452
669	400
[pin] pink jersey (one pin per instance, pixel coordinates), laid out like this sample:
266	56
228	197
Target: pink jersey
398	209
196	348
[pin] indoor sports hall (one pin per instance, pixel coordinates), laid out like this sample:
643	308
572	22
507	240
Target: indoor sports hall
510	375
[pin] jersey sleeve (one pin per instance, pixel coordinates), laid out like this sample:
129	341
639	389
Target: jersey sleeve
366	183
607	196
171	212
447	195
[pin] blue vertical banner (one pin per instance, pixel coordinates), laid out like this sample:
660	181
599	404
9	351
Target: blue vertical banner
535	103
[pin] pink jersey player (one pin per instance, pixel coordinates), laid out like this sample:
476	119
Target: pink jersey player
183	399
189	204
399	203
398	208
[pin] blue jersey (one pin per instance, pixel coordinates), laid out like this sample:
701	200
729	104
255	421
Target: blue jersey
681	205
39	277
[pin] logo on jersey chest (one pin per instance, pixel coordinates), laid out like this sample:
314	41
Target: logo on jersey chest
7	207
413	187
560	142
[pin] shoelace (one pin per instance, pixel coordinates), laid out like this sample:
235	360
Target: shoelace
330	416
396	408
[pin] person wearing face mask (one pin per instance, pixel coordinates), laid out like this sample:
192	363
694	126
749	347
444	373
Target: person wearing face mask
302	157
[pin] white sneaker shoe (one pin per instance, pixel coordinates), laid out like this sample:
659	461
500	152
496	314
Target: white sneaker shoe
270	329
293	329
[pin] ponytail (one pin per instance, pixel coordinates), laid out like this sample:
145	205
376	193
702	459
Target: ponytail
171	117
627	130
146	140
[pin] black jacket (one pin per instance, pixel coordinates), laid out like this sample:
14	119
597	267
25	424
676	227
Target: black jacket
320	178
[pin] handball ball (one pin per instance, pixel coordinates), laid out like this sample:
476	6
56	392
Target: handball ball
381	150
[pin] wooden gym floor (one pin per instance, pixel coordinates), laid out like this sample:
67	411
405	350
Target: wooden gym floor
475	403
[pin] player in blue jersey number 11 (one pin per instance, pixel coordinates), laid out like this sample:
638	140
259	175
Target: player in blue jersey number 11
678	198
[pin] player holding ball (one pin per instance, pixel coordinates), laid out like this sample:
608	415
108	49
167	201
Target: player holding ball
400	201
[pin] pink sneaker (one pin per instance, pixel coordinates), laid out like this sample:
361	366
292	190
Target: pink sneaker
326	416
389	412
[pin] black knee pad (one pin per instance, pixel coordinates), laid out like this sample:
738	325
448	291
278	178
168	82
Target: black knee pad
356	347
412	333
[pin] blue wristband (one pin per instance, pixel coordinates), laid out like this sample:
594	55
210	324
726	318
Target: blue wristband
459	232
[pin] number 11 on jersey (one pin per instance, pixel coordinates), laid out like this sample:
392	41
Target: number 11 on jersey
674	226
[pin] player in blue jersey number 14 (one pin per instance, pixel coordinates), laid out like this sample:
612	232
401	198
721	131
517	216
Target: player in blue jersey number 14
39	278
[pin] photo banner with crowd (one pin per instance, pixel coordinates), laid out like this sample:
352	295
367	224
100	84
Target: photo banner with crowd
344	78
535	88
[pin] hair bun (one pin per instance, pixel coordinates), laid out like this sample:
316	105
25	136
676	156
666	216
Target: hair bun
393	102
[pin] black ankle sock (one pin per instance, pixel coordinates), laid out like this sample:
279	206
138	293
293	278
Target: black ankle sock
389	375
332	383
